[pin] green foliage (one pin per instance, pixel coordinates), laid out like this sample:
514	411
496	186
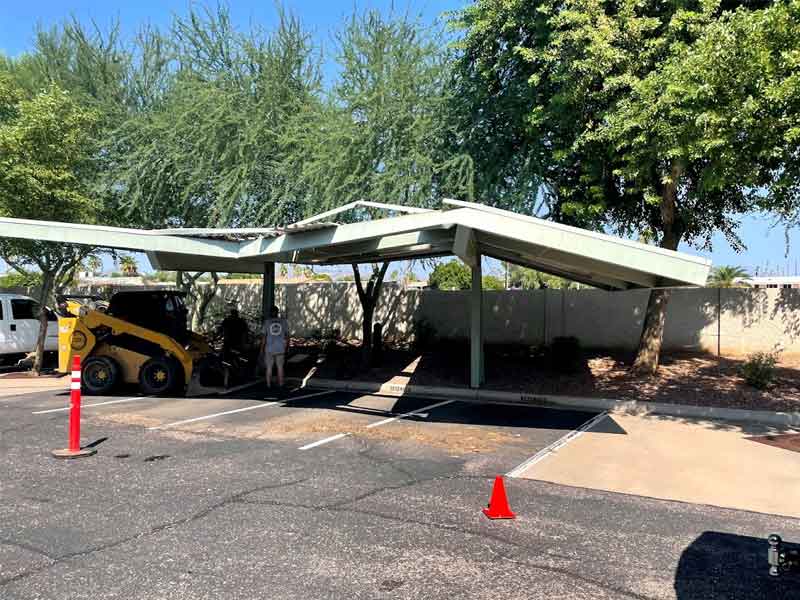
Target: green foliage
205	148
455	275
451	275
666	120
759	369
241	276
48	143
726	276
128	265
531	279
160	276
20	280
93	263
383	132
492	282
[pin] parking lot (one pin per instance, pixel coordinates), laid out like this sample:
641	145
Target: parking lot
322	494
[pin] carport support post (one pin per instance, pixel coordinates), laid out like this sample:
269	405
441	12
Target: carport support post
476	326
268	291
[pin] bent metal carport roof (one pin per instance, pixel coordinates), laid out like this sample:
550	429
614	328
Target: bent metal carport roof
464	229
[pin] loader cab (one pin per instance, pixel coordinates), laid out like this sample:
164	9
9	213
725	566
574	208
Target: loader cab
161	311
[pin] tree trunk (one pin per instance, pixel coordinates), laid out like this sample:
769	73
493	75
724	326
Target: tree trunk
198	296
366	333
47	287
649	351
205	295
369	300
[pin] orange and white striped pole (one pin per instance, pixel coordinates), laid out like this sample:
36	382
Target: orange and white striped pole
74	450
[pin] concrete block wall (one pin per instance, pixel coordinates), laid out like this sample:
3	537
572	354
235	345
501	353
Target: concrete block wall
735	321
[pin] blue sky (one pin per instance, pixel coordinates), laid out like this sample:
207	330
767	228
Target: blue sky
765	243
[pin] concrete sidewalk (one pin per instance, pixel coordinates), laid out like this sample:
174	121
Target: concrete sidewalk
13	384
701	462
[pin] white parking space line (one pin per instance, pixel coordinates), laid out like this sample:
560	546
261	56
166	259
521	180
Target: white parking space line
339	436
409	414
333	438
239	410
559	443
213	416
52	410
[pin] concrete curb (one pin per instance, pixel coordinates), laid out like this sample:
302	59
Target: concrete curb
778	419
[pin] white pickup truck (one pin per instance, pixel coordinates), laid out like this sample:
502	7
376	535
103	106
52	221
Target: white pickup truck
19	327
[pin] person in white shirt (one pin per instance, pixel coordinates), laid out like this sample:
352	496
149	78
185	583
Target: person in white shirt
275	344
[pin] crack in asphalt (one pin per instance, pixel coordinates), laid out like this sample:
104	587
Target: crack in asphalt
367	451
342	506
563	571
27	547
233	498
348	505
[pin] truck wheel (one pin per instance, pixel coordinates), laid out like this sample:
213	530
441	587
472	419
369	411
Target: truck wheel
158	376
99	375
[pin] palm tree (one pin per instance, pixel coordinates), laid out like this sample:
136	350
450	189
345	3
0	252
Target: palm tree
728	276
128	265
94	264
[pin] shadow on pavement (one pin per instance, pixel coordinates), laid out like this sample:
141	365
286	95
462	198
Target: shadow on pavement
727	566
456	412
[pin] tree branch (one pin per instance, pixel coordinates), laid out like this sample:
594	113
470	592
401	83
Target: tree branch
359	286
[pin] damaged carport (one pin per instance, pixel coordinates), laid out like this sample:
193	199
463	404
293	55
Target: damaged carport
467	230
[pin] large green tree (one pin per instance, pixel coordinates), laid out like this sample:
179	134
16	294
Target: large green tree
47	147
202	145
59	102
664	121
382	133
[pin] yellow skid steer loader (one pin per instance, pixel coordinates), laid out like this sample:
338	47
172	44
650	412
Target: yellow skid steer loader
140	337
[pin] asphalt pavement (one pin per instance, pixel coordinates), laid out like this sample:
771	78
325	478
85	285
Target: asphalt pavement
336	495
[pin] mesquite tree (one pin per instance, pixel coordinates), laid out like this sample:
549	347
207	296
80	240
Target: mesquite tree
382	133
662	121
201	148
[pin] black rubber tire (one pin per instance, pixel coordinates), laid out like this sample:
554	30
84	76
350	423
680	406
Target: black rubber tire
99	375
158	376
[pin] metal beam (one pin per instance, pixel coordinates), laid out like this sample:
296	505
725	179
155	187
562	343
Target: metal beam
407	253
464	246
388	243
267	249
114	237
352	205
170	261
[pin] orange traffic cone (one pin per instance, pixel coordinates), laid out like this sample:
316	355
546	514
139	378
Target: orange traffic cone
498	504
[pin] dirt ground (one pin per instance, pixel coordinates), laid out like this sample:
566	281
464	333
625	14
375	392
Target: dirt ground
683	377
